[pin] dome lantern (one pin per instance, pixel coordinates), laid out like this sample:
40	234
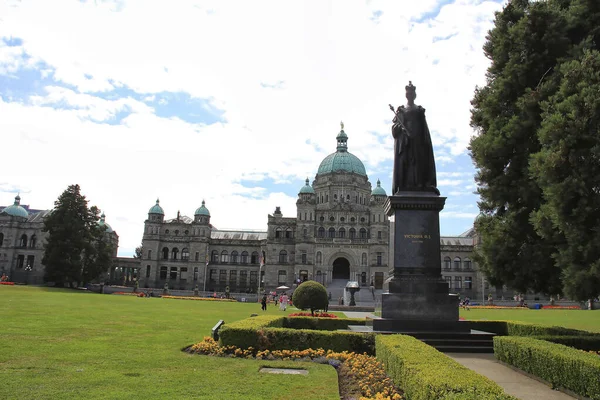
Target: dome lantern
342	159
379	191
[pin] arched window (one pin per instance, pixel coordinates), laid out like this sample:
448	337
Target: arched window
467	264
319	258
23	242
1	238
283	257
364	259
288	234
149	254
147	271
174	253
278	232
32	241
224	257
457	265
363	233
254	257
331	233
342	233
234	257
214	256
185	254
165	252
447	262
352	233
321	232
244	257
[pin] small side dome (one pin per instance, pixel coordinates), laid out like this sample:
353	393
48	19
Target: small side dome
202	210
379	191
307	188
102	223
156	209
16	210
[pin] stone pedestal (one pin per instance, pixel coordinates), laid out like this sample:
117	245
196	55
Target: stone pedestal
416	298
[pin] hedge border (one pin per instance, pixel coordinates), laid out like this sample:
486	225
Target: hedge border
560	365
516	328
283	333
424	373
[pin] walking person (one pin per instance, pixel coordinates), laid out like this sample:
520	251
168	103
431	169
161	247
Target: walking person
263	302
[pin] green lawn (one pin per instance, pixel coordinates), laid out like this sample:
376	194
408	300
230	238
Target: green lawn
578	319
61	344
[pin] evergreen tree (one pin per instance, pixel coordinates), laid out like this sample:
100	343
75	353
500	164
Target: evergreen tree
75	250
138	252
568	170
529	42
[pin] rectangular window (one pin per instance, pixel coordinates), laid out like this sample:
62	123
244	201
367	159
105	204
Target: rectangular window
224	258
197	258
469	282
253	278
378	280
379	235
243	278
184	273
222	276
163	273
233	277
380	258
304	257
288	234
282	277
458	282
213	276
30	260
173	273
195	273
149	254
147	271
20	261
448	280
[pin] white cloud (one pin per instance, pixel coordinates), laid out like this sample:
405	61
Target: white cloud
321	62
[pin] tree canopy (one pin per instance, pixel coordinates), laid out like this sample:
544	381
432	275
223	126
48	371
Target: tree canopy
535	148
76	249
310	295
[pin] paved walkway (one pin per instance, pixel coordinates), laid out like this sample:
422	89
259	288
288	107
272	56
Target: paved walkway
359	314
513	382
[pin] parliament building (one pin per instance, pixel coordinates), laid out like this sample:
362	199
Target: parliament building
340	232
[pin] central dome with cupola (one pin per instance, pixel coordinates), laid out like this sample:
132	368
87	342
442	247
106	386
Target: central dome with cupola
342	160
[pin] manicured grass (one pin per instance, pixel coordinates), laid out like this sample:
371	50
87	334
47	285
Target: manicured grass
62	344
578	319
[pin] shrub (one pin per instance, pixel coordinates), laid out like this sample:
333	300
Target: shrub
310	295
587	343
426	374
560	365
514	328
321	324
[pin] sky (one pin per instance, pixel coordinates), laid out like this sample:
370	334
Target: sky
231	102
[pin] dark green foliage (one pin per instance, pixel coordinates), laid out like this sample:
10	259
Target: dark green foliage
138	252
587	343
271	332
310	295
560	365
520	239
321	324
76	249
515	328
426	374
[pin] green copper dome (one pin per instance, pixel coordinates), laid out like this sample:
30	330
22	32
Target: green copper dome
103	223
307	188
16	210
379	191
342	160
202	210
156	209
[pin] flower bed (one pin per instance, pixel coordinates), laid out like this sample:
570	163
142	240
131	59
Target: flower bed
7	283
317	314
498	307
561	307
127	294
359	374
197	298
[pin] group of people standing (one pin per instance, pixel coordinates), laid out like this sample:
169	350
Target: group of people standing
283	301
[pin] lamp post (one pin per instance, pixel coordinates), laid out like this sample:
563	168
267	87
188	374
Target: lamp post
259	278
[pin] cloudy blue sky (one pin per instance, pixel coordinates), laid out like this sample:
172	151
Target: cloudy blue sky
233	102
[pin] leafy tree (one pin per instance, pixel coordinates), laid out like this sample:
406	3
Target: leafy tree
529	42
138	252
310	295
76	249
568	170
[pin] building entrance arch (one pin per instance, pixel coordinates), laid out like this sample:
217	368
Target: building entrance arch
341	269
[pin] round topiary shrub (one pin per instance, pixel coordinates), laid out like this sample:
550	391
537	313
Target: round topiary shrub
310	295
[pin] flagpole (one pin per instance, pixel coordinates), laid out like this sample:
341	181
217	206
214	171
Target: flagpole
205	270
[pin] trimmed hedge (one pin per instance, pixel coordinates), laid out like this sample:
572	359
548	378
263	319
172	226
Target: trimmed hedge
426	374
514	328
322	324
557	364
281	333
585	343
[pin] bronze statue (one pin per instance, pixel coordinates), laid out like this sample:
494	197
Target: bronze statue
414	165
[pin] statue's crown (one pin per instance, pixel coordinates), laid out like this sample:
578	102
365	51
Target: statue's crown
410	87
